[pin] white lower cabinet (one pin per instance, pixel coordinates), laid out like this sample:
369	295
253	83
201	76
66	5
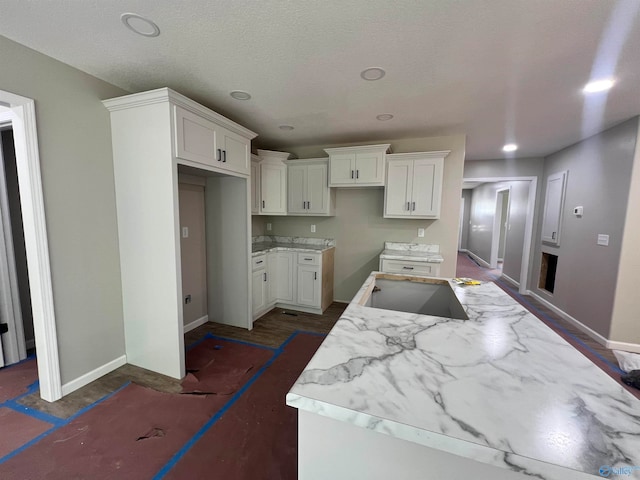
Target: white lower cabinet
309	277
292	279
410	267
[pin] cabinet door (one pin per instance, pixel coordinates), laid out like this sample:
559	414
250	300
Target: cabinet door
553	204
426	191
234	153
255	188
342	169
309	283
195	137
281	268
398	189
259	292
296	202
317	191
273	188
370	168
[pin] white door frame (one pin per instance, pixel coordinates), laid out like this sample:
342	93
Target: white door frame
497	226
22	117
528	229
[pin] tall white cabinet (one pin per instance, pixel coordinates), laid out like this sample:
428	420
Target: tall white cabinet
154	134
273	182
414	185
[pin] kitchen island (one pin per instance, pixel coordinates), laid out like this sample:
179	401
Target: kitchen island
499	396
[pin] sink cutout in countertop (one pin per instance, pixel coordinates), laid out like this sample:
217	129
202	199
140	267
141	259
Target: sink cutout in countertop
434	298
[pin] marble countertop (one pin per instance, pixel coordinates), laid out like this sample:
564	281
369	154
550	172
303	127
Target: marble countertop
411	251
265	244
501	388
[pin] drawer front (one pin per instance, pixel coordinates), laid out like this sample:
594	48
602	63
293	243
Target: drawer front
417	268
258	262
309	258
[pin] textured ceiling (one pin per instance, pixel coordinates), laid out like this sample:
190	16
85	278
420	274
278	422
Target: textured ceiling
496	70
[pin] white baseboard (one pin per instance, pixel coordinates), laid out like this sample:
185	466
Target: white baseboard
626	347
89	377
196	323
510	280
478	259
463	250
576	323
29	344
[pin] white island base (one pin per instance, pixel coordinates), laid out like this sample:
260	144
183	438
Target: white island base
338	450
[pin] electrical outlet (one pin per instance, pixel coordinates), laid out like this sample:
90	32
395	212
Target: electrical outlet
421	232
269	227
313	229
187	299
603	239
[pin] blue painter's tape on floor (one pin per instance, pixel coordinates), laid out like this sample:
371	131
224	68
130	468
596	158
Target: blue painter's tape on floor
233	340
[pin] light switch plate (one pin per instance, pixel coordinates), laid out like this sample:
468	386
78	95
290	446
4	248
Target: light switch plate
313	229
268	226
185	232
603	239
421	232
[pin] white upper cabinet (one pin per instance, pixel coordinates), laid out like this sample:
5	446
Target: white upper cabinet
199	139
273	182
307	190
255	184
553	206
414	185
362	166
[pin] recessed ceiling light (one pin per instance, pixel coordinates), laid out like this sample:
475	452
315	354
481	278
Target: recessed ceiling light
510	147
373	73
288	128
140	25
383	117
240	95
598	85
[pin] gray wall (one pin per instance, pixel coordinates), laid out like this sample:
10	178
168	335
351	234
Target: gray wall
598	179
483	207
77	176
359	228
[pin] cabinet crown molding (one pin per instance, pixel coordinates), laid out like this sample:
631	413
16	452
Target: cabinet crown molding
384	147
165	94
307	161
272	156
418	155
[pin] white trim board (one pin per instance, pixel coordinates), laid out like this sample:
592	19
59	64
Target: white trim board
576	323
95	374
23	121
478	259
510	280
196	323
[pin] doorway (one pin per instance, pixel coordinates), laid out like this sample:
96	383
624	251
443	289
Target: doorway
19	115
500	228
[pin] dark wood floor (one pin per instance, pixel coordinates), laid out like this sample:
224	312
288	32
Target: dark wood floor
275	327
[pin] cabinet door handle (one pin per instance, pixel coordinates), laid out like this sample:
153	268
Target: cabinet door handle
351	173
308	259
413	205
224	156
357	173
262	203
219	154
309	205
258	263
407	268
408	206
315	275
553	235
265	276
303	205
